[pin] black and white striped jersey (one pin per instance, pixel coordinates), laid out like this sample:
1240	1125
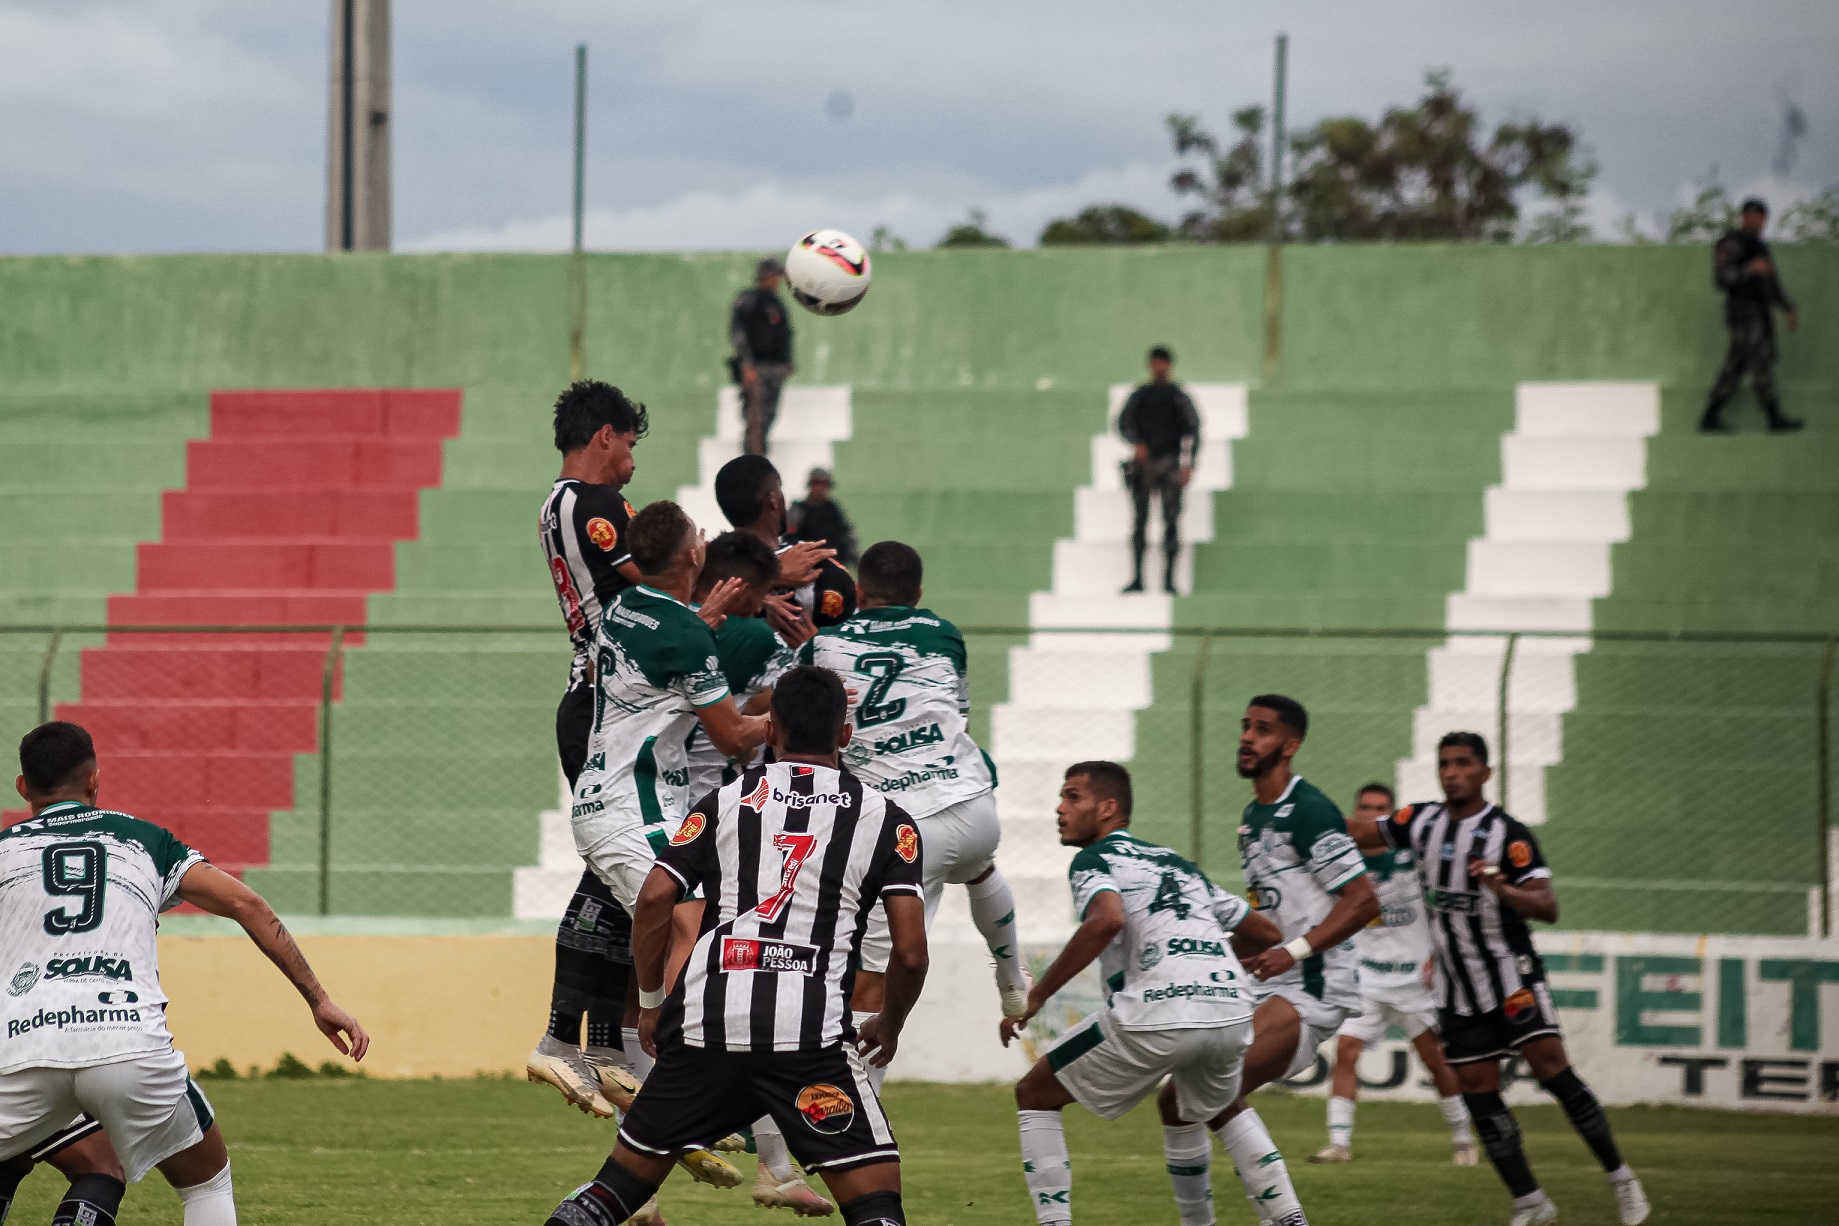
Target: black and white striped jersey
583	527
792	860
1483	946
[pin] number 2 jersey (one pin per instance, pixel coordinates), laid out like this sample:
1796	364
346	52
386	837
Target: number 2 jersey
1297	855
81	891
912	692
1171	968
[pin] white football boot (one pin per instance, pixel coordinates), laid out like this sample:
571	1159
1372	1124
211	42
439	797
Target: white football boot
1535	1215
1333	1153
794	1194
648	1215
1631	1201
563	1066
1462	1155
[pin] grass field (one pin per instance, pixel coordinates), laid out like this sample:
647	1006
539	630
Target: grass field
460	1153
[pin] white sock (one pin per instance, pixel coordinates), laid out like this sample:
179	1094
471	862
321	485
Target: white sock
876	1073
769	1142
1457	1117
1261	1168
1622	1174
636	1060
1045	1166
1341	1121
210	1203
1535	1197
993	911
1189	1151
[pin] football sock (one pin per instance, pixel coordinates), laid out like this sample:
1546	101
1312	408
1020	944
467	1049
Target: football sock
564	1027
1341	1121
1500	1136
874	1209
636	1059
602	1036
1046	1168
769	1142
211	1203
10	1178
993	911
578	972
1261	1168
1189	1152
876	1073
1457	1117
93	1200
1586	1116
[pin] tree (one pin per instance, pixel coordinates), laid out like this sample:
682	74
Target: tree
1229	183
884	239
972	233
1105	223
1812	221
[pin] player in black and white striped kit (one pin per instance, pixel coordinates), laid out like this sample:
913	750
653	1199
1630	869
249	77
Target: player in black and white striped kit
1483	877
792	858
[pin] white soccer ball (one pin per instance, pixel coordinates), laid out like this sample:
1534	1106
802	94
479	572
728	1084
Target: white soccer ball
828	272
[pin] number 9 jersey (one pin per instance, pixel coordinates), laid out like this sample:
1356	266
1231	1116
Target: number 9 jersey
81	891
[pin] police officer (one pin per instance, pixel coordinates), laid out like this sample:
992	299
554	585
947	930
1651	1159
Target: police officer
1163	426
1745	271
761	334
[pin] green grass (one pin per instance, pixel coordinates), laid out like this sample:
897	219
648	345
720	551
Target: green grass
490	1151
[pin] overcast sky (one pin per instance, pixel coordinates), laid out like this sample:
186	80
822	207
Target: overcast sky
200	125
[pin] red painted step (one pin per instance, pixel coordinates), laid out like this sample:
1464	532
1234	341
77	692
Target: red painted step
290	517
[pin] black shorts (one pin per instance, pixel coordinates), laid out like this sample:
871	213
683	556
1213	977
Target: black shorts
574	726
821	1100
1528	1014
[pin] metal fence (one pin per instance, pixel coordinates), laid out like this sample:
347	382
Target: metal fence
1679	783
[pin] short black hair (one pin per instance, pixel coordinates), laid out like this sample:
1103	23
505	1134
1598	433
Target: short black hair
739	555
809	706
1289	712
1756	204
55	755
740	488
1108	781
1470	740
585	406
656	534
1376	786
1162	352
890	573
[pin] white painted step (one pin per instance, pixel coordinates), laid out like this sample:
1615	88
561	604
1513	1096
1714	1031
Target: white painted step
1051	677
1572	410
1463	611
1061	734
1148	611
1586	464
1538	568
1556	515
1107	515
1089	568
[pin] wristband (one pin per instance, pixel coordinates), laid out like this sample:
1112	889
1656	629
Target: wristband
651	1000
1299	949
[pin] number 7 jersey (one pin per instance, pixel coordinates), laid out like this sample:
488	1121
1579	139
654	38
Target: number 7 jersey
910	687
81	891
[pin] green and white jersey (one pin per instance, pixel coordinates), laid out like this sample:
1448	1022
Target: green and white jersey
912	693
1296	853
752	659
1171	968
1394	947
81	891
656	665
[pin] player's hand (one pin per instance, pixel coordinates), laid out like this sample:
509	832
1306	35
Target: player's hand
1271	963
648	1031
789	620
1011	1027
714	610
341	1029
1187	474
1488	874
876	1042
1142	453
1794	321
798	565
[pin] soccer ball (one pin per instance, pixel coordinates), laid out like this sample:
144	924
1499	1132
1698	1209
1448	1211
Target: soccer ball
827	271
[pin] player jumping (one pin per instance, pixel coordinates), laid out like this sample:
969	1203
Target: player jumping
1179	1005
81	891
792	858
1484	877
752	497
1397	972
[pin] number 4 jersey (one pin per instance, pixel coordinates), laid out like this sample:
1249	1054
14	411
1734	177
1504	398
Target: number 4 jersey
81	891
907	669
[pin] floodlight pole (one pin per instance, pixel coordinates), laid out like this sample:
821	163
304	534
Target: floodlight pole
577	260
1273	255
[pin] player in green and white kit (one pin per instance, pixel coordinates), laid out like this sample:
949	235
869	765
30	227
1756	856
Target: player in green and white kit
1178	1003
906	670
1303	871
1397	969
84	1016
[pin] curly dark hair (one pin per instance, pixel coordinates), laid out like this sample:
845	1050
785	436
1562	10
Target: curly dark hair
584	407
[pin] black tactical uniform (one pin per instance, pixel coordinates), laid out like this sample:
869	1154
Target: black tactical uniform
761	334
1750	301
1161	418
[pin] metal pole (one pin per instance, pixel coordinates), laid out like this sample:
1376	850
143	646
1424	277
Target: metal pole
1823	757
327	686
1500	724
1277	140
347	168
577	261
44	675
1273	258
1197	753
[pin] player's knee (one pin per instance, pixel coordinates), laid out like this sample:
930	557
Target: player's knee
874	1209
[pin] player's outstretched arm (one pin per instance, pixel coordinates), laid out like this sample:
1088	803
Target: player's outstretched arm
1366	834
1104	919
211	889
733	734
880	1035
1356	906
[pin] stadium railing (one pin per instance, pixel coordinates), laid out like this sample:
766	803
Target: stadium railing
1679	782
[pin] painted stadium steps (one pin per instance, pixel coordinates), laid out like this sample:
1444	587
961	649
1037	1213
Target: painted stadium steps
289	516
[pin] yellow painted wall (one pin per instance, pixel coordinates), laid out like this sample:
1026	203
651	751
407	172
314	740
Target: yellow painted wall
449	1006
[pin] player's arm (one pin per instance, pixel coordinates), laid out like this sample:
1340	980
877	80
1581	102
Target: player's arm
211	889
1521	880
651	933
1104	919
906	975
1356	905
733	734
1254	935
1535	900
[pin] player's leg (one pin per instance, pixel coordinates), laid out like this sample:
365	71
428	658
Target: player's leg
832	1117
1171	494
1474	1047
1138	480
1206	1082
1039	1097
777	1183
966	836
1343	1094
156	1116
1449	1095
581	950
865	999
1546	1057
37	1107
607	1045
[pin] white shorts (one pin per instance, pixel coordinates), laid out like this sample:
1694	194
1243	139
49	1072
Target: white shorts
1320	1022
622	860
1109	1069
149	1104
1411	1007
959	845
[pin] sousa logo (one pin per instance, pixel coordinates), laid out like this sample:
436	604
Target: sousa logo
826	1109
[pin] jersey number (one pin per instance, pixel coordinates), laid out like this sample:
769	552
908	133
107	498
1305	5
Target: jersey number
76	870
883	666
797	849
1170	898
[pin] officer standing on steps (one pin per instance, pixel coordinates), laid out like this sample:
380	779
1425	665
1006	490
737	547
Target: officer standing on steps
761	334
1164	427
1745	271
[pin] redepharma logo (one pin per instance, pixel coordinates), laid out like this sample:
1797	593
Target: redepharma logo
61	1018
